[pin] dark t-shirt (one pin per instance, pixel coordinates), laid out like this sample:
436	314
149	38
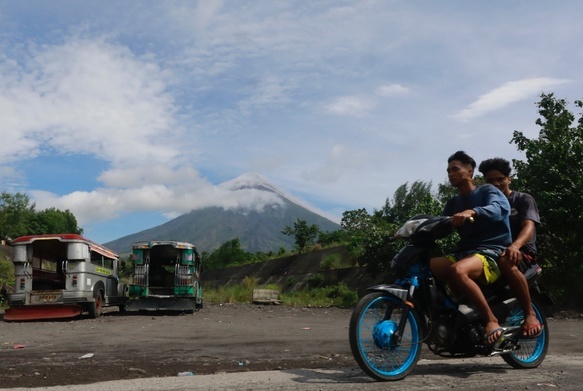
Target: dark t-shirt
523	207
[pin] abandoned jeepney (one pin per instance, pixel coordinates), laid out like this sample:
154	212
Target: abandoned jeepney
62	275
166	276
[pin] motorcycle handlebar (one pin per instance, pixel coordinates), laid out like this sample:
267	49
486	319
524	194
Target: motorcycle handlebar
468	219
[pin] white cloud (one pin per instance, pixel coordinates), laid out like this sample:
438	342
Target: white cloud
508	93
392	90
89	97
268	91
150	174
105	204
341	161
357	106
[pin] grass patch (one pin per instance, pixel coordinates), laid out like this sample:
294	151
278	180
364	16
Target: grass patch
239	293
328	296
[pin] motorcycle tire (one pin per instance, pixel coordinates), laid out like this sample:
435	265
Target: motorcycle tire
532	351
374	344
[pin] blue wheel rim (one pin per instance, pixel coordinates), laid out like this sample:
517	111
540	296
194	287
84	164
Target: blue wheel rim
380	353
530	348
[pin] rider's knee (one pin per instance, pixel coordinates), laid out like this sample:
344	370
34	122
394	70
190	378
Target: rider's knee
507	268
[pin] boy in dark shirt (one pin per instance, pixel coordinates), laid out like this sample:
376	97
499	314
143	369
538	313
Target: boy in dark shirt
524	218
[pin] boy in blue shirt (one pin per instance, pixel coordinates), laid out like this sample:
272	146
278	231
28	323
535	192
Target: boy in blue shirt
481	242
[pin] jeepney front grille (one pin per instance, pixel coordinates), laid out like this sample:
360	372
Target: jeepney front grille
141	275
183	276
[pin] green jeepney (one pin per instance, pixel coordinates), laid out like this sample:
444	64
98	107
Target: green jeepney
166	276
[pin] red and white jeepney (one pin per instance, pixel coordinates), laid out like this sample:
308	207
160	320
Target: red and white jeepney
62	275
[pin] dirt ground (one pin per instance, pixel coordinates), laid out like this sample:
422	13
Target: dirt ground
219	338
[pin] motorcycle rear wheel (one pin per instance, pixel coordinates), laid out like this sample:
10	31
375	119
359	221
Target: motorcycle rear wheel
532	351
373	341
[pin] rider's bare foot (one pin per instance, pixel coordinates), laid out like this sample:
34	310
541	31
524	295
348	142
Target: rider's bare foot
531	326
493	332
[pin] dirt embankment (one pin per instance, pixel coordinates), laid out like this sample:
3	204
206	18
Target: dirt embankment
294	272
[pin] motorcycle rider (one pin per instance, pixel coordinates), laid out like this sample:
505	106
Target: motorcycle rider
481	242
524	218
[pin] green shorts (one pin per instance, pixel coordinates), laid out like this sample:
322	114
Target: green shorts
491	270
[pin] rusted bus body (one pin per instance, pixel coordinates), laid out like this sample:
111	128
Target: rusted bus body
166	276
62	275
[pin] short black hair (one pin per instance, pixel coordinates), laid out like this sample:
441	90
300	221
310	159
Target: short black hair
496	163
462	157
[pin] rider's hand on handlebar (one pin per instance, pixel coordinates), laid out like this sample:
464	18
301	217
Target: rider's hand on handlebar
460	218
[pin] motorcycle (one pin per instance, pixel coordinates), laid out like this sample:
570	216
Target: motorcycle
392	321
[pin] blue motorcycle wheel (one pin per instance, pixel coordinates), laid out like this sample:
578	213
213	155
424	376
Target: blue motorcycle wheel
376	347
532	351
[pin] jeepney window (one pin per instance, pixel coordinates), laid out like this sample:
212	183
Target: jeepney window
96	258
100	260
44	264
108	263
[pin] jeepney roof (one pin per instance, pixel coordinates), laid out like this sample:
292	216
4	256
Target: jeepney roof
153	243
66	238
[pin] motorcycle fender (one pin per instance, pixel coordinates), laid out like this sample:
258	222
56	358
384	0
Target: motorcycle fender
392	289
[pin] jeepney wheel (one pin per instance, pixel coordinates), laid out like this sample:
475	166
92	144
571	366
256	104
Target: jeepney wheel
95	307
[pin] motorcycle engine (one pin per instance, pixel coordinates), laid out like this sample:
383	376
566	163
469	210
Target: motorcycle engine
443	333
454	335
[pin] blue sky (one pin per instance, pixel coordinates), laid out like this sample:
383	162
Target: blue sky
129	113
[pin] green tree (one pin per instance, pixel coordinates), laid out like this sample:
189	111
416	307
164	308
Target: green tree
372	235
16	212
553	175
330	238
6	276
52	220
304	234
445	191
228	254
357	220
18	217
356	225
410	201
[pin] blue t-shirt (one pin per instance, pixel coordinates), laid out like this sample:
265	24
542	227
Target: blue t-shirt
490	229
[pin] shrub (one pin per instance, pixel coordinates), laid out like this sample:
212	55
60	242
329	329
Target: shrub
333	261
315	280
250	282
6	278
316	247
289	282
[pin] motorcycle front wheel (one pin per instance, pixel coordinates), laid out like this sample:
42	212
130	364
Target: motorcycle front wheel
374	339
531	351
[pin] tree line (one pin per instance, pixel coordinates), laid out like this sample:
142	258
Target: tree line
19	217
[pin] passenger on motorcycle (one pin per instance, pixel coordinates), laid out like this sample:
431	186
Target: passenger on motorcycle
481	243
524	218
